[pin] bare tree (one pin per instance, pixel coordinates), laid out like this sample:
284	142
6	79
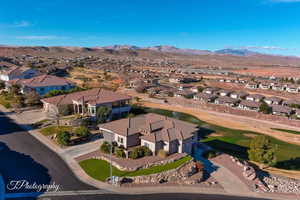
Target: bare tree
54	114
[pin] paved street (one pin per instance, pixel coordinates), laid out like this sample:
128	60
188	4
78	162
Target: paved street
148	197
25	158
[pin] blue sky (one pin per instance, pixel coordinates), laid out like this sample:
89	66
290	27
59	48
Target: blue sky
270	26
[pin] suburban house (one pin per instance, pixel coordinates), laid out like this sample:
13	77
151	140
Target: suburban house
194	89
227	101
42	84
273	100
238	95
184	93
16	72
281	110
157	132
184	86
255	97
210	90
208	98
292	88
252	85
87	102
298	113
278	87
249	105
291	103
223	93
265	86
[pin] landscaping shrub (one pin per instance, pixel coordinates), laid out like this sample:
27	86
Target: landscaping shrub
162	153
63	138
105	147
146	151
120	153
134	154
140	152
82	131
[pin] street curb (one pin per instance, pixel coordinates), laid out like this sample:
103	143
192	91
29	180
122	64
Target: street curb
2	188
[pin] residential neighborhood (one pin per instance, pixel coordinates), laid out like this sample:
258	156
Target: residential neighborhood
146	100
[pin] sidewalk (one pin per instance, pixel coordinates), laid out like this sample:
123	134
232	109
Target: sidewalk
67	156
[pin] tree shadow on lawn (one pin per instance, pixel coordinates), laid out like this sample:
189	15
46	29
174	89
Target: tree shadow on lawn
291	164
16	166
228	148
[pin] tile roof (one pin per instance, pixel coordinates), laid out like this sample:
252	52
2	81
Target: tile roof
92	96
251	104
42	81
152	127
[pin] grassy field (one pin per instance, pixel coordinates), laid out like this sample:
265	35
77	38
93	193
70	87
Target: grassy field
234	142
99	169
286	130
51	130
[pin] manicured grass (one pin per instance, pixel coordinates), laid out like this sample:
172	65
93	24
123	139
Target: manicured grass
51	130
233	141
100	169
286	130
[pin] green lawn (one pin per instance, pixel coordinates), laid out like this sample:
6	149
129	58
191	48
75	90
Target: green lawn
51	130
233	141
99	169
286	130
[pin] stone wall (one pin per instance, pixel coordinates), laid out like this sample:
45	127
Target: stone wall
180	175
127	168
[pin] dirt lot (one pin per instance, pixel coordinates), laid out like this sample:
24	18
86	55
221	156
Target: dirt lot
271	71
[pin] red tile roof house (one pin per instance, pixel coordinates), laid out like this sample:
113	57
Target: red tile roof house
278	87
292	88
42	84
227	101
154	131
255	97
210	90
273	100
265	85
15	72
239	95
184	93
281	110
205	97
223	92
87	102
249	105
252	85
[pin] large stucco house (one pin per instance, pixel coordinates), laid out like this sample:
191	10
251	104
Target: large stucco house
42	84
153	131
87	102
16	72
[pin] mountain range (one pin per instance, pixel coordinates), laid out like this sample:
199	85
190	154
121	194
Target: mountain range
172	49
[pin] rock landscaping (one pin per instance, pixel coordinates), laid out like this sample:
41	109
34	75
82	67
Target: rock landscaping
282	184
184	174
